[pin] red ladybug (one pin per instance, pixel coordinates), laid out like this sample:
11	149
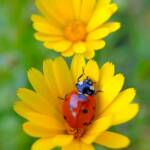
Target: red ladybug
79	106
78	113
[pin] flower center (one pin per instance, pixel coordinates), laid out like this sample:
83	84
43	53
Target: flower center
78	132
75	31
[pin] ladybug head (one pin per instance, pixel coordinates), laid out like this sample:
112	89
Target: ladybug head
86	87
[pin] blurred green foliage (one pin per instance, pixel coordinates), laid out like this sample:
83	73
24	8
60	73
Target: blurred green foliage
129	49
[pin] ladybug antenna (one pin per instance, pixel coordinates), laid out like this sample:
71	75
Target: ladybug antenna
87	77
98	92
81	74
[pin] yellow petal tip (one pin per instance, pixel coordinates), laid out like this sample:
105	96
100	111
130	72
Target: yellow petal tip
109	64
133	91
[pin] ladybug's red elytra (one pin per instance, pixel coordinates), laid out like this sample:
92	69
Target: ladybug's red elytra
79	113
79	106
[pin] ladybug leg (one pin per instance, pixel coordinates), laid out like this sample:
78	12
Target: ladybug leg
97	92
77	133
63	98
81	131
78	130
66	96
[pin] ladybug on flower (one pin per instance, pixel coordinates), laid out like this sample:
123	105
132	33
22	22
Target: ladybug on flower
88	114
80	106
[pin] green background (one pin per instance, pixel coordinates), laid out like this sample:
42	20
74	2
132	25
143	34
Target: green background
129	49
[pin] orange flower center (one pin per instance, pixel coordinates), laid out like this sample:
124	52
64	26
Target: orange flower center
75	31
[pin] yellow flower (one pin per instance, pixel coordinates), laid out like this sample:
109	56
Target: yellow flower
43	107
74	26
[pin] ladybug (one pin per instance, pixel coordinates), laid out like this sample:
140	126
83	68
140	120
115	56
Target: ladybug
79	106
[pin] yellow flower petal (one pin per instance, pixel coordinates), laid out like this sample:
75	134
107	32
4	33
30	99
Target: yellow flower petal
101	15
109	91
38	82
47	28
98	34
77	7
35	102
96	129
112	140
43	6
106	72
96	44
45	121
103	3
113	7
112	26
38	19
49	75
92	70
74	145
49	38
78	145
58	87
86	146
50	143
77	66
62	72
37	131
122	100
87	9
68	53
22	109
79	47
89	54
66	11
28	113
25	108
125	115
59	46
50	78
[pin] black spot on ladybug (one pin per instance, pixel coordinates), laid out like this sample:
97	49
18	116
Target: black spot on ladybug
85	111
65	117
85	124
90	123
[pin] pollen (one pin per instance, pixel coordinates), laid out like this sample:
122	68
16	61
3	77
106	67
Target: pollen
75	31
